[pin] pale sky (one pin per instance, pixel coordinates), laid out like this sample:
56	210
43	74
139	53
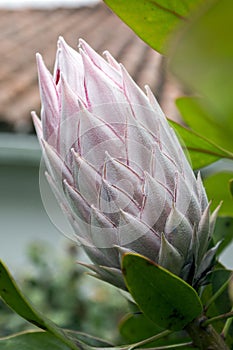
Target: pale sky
45	3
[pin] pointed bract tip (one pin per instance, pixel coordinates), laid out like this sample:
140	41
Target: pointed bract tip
149	94
38	55
124	214
33	114
93	207
81	104
61	38
49	178
37	124
147	89
39	61
106	53
121	250
219	206
61	42
65	182
107	156
63	46
43	72
75	153
81	42
111	60
83	45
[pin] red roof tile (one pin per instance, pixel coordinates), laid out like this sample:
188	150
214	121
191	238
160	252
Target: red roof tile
25	32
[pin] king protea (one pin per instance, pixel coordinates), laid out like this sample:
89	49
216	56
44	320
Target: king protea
118	169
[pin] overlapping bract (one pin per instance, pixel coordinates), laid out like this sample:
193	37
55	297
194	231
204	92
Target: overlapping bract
118	169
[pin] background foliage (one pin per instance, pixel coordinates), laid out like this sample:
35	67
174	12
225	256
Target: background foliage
64	293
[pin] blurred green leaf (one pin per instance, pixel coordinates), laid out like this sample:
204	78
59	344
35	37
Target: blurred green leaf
32	341
201	122
163	297
153	21
217	188
201	151
13	297
223	231
202	58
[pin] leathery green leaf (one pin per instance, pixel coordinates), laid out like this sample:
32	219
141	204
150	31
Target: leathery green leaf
13	297
32	341
136	327
153	21
163	297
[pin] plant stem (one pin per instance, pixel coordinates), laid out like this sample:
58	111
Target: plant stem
149	340
217	318
205	337
173	346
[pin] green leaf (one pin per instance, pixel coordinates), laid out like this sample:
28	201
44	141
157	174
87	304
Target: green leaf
231	187
162	296
88	339
202	58
218	278
14	298
153	21
32	341
223	231
215	296
230	290
217	188
206	295
136	327
201	151
203	123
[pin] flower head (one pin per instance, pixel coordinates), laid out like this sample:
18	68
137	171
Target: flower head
118	169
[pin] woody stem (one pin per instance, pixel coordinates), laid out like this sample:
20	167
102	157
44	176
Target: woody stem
205	337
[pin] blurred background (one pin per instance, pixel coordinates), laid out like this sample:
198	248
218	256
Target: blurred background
30	244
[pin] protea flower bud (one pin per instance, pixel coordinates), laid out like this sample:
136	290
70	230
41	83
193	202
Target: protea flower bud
118	169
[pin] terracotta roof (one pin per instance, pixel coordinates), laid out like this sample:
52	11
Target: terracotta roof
25	32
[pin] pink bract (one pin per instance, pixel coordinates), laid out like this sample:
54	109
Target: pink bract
118	169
